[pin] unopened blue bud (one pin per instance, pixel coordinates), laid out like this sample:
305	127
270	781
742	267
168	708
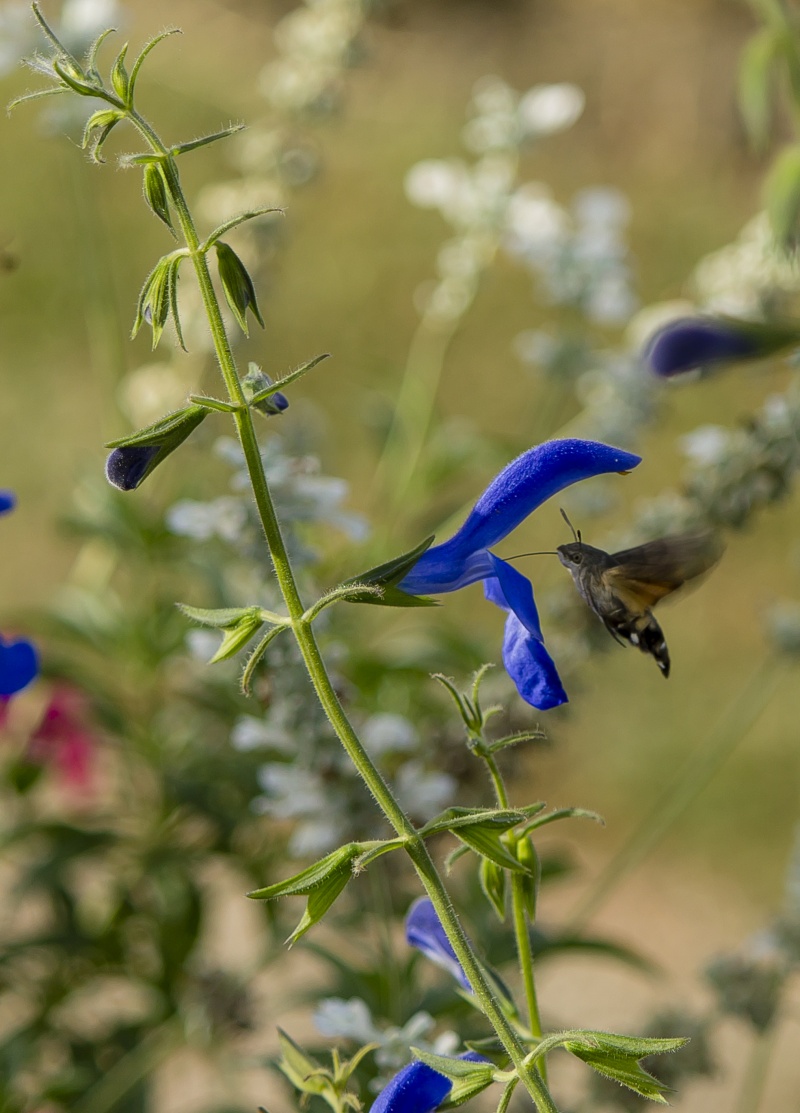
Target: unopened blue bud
126	467
696	342
7	501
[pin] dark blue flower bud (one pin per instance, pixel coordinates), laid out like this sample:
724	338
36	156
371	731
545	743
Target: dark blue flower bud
126	467
696	342
7	501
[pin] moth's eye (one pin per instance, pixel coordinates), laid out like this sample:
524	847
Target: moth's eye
577	558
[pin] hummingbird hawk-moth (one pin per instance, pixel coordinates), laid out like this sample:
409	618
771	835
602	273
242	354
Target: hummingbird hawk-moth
622	588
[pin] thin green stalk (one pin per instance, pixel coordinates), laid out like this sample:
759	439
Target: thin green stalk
306	640
696	773
521	932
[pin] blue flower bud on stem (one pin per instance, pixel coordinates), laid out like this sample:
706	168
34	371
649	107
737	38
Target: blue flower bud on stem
696	342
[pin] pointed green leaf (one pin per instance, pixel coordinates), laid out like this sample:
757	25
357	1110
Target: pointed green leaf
213	404
92	52
234	222
148	46
204	140
73	76
319	901
388	574
302	883
164	429
300	1068
464	1089
563	813
451	819
626	1072
636	1047
375	851
35	94
262	395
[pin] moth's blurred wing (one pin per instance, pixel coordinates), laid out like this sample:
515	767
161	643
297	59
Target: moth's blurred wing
646	573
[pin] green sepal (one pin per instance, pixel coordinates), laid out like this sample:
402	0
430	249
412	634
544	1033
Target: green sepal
90	63
162	432
238	286
479	1075
97	130
155	193
493	881
302	1071
222	618
236	637
375	850
73	76
322	883
36	94
158	297
452	819
214	404
260	390
234	222
562	813
119	77
464	1089
204	140
527	856
487	843
387	576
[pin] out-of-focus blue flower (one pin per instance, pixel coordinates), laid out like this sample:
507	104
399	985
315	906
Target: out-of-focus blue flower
7	501
519	489
425	932
694	342
19	665
417	1088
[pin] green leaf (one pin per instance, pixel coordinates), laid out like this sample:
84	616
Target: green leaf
463	1090
375	851
92	52
234	222
319	901
493	883
616	1057
755	84
454	818
302	883
302	1071
782	196
458	1070
155	193
262	395
222	618
148	46
72	75
237	285
204	140
213	404
387	575
563	813
154	299
119	76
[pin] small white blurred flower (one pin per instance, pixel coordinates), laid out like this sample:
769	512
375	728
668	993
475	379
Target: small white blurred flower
602	205
250	733
546	109
152	390
291	791
534	219
706	445
224	517
336	1017
611	300
535	346
423	793
435	183
202	644
386	733
83	20
491	95
17	35
316	836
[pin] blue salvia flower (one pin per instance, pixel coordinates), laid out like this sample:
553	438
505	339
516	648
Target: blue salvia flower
19	661
425	932
417	1088
517	491
690	343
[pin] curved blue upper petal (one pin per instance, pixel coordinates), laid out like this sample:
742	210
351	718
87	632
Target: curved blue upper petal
524	484
525	658
692	342
417	1088
8	501
425	932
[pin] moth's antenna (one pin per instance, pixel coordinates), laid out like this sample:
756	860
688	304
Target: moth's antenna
575	534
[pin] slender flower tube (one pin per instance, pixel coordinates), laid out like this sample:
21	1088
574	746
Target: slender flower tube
417	1088
516	492
694	342
425	932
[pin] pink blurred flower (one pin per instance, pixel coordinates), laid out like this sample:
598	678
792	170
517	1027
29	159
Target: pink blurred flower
64	738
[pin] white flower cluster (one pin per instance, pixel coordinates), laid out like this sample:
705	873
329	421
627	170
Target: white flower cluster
749	277
476	198
337	1018
80	23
